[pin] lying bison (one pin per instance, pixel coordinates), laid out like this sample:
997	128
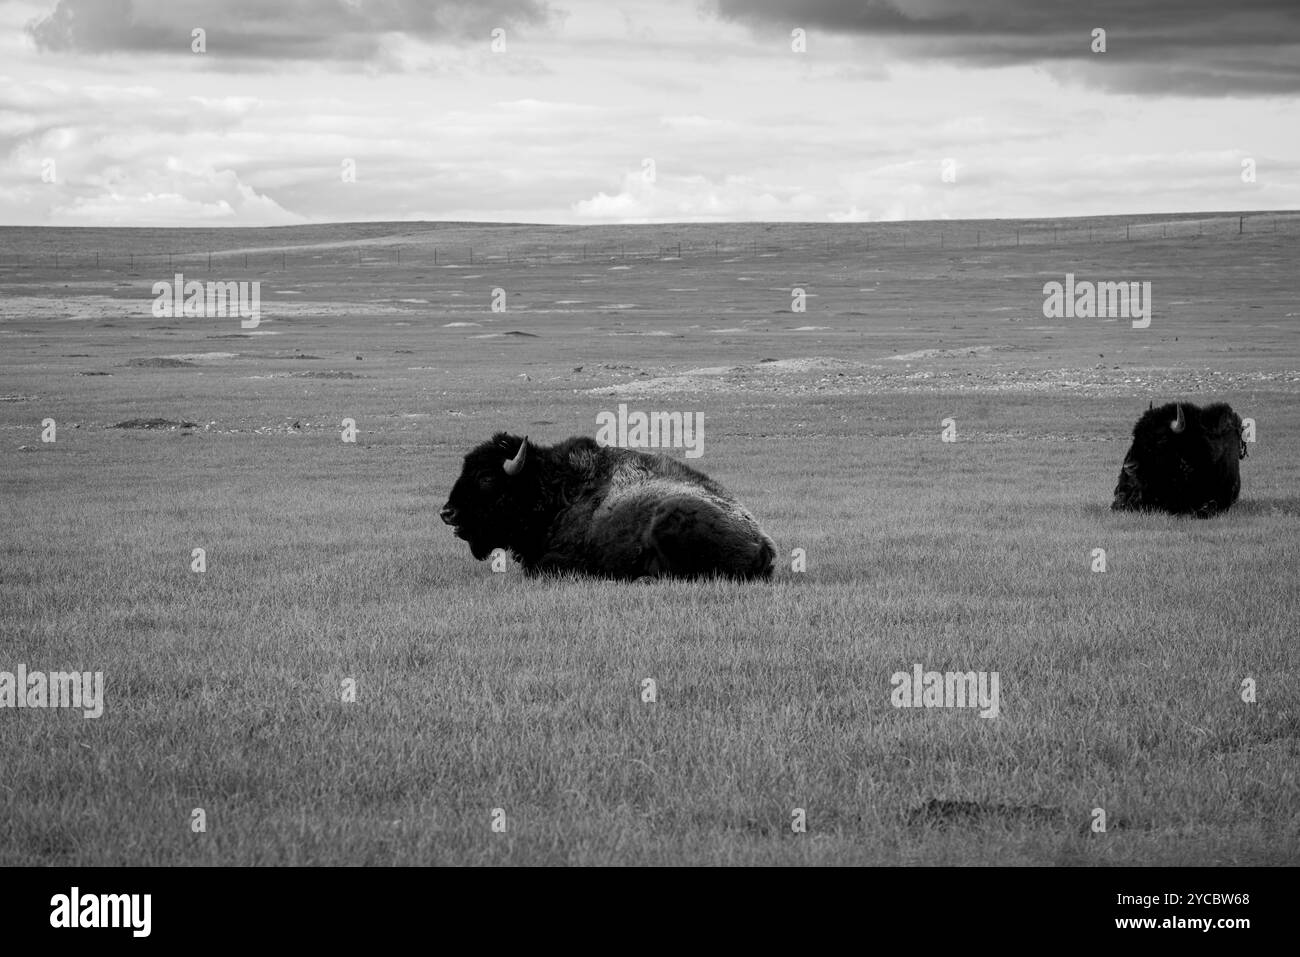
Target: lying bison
582	507
1183	460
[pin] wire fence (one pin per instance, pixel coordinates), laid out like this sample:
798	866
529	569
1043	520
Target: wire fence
806	240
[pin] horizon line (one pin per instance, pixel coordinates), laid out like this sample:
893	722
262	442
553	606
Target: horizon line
678	223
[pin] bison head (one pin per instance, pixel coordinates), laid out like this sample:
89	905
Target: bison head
1183	459
485	503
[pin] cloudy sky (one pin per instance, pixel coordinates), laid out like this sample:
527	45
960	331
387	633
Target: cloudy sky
597	111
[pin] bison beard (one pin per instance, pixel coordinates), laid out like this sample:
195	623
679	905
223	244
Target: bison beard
581	507
1184	460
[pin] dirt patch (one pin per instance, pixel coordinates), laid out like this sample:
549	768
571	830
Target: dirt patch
202	356
162	362
155	423
758	377
806	364
662	385
966	353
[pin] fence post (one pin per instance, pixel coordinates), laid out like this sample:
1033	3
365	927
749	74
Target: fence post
1126	229
435	255
1241	222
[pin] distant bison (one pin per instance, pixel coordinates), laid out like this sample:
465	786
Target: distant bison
1184	460
581	507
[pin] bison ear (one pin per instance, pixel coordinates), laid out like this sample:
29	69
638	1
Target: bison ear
515	465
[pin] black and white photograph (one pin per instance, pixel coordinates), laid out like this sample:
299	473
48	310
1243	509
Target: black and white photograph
650	433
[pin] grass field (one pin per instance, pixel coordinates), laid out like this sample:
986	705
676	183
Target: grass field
326	561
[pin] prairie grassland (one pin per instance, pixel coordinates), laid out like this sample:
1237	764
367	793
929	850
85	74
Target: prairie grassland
1119	690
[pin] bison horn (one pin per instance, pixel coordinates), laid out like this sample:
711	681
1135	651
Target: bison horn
513	466
1179	423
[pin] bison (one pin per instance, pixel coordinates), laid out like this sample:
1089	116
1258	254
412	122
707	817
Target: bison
1184	460
597	510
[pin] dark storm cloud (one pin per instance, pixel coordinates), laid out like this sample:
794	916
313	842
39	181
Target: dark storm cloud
273	29
1188	47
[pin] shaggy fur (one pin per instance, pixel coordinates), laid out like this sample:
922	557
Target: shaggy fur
581	507
1193	472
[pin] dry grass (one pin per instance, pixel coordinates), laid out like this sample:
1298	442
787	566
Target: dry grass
475	691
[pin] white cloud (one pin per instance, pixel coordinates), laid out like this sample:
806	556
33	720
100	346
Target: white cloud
555	130
695	199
